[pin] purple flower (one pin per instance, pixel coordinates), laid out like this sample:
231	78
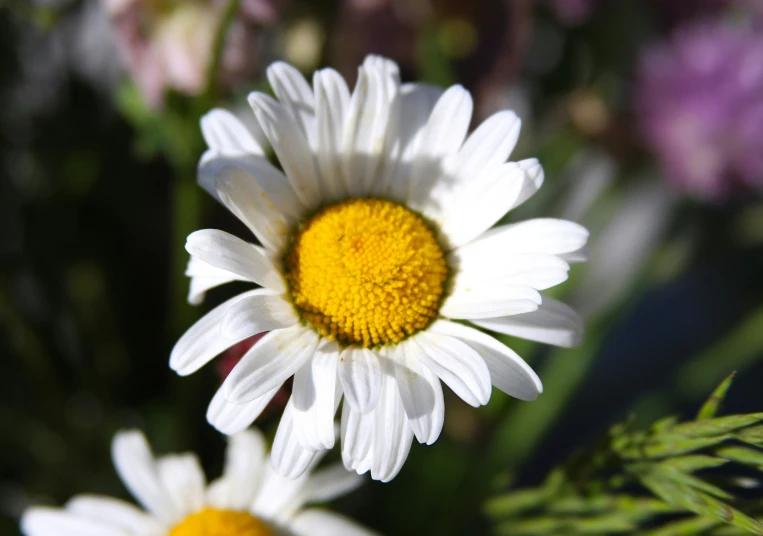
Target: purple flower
699	99
672	12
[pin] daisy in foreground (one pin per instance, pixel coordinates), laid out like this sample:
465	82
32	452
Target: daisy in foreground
374	238
250	499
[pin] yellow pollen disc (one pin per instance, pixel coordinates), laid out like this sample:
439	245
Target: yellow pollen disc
211	522
366	272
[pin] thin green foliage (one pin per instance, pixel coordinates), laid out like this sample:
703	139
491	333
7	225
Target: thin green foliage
653	482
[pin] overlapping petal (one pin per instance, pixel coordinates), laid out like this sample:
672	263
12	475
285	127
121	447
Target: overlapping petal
553	322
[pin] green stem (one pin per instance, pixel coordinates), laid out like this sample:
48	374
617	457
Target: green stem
186	194
218	49
186	216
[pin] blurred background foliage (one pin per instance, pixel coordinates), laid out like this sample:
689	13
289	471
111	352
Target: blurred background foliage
648	119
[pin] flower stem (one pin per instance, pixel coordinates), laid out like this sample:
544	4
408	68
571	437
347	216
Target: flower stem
218	50
186	194
186	216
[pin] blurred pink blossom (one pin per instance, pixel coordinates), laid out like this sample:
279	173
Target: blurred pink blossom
699	100
167	44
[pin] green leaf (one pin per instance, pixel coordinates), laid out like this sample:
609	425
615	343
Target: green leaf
513	503
700	503
752	435
611	524
530	527
720	425
691	526
743	455
626	505
664	424
669	446
685	479
693	462
711	406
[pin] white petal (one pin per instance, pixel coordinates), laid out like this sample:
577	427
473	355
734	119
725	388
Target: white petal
363	140
332	99
295	95
363	466
204	340
480	269
184	481
269	190
281	498
467	302
477	205
263	186
204	277
269	214
291	147
508	371
489	146
136	468
55	522
288	457
356	433
230	253
315	397
443	135
227	137
361	377
392	432
421	393
269	363
313	522
258	312
457	364
113	512
576	257
245	460
225	134
329	483
542	235
229	418
406	129
553	323
533	180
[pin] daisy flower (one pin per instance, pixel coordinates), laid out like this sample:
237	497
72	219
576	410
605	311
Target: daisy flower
250	499
375	235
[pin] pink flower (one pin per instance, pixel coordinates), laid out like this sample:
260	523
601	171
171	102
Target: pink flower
168	45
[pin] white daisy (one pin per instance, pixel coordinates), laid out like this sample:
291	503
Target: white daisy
250	499
374	238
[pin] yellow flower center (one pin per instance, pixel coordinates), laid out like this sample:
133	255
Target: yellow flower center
366	272
211	522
